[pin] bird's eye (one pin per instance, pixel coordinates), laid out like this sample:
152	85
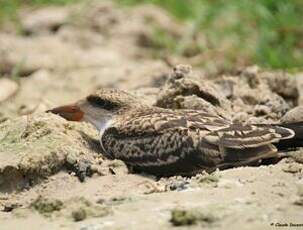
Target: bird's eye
102	103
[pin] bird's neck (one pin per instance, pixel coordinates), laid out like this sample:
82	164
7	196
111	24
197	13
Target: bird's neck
100	123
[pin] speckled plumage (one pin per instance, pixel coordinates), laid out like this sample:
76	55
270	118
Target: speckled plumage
176	142
167	142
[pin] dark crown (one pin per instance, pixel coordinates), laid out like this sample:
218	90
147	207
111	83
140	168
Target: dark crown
111	99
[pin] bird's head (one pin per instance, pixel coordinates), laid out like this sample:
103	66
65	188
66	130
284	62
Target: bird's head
98	108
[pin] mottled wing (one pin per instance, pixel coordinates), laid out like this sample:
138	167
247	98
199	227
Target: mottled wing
163	143
183	142
239	136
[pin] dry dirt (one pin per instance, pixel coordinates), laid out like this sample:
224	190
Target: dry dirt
52	173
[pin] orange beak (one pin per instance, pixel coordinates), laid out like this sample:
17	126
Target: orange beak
69	112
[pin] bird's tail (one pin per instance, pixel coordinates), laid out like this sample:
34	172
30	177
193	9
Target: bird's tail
291	143
290	138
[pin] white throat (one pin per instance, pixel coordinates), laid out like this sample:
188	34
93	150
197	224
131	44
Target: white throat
101	127
104	126
100	124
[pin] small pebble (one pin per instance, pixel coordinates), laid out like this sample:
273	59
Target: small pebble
299	202
292	168
8	207
71	158
79	214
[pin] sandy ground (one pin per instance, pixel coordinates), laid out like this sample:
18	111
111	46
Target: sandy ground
52	172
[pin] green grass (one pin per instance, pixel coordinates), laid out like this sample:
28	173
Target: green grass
266	32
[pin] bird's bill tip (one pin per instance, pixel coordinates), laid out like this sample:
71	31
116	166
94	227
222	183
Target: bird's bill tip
69	112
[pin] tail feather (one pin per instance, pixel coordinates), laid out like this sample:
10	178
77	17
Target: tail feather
293	142
290	137
240	157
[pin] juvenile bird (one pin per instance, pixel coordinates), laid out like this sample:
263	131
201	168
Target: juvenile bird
167	142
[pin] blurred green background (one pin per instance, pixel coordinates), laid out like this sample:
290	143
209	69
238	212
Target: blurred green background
264	32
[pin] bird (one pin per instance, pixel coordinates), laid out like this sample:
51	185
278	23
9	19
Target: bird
167	142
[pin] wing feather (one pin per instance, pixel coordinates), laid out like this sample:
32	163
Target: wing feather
166	142
239	136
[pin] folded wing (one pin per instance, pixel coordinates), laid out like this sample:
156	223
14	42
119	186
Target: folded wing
184	142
